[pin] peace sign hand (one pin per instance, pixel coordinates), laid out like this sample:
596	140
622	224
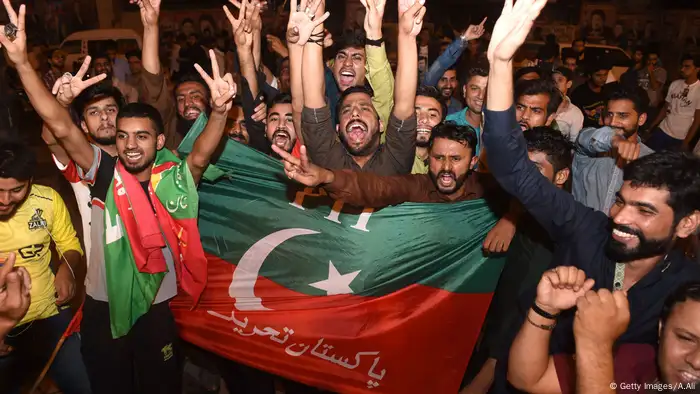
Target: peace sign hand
474	32
248	10
303	19
223	90
16	49
68	87
302	170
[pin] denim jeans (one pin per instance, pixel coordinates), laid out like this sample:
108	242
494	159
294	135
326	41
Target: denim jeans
660	141
32	345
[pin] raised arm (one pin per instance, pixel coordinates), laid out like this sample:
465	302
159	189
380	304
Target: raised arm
410	25
150	11
244	44
305	25
379	73
555	209
223	90
452	54
55	116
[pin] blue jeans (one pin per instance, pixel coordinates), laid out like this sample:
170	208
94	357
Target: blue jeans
33	344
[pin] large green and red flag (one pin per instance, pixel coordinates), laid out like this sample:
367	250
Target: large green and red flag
343	298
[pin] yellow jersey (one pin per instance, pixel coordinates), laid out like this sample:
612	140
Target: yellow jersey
28	233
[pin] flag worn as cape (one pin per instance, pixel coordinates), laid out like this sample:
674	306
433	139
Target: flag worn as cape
347	299
135	237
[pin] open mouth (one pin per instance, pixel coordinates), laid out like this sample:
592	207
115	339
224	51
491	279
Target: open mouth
356	131
446	179
192	112
623	236
281	138
423	133
524	126
133	157
689	377
347	77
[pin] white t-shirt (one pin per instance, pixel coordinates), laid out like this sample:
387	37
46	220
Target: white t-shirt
570	121
683	101
82	196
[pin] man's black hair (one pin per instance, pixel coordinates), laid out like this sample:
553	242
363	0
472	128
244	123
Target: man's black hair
50	53
635	94
350	39
694	58
689	291
281	98
136	54
366	89
475	71
17	161
433	93
465	135
593	65
600	13
99	55
96	92
540	86
141	110
565	72
676	172
527	70
547	52
577	40
552	143
193	76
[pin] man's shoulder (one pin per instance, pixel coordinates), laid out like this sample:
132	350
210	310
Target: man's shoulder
43	194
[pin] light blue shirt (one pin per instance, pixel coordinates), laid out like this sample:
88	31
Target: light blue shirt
460	119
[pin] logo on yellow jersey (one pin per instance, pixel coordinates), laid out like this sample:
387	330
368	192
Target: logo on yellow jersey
37	222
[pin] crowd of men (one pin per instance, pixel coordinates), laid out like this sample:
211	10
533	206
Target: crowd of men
597	180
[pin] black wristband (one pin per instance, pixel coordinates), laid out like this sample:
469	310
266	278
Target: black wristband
374	43
542	312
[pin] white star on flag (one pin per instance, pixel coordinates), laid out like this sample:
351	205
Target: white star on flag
336	283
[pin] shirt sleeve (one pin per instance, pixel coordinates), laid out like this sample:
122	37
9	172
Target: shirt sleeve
366	189
593	141
159	96
555	209
61	227
256	130
91	175
445	61
381	78
400	147
320	138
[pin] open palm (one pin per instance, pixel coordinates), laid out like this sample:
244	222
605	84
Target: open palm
512	27
303	20
411	20
149	10
374	13
68	87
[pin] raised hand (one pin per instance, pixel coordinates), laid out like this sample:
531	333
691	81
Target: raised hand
512	27
303	20
626	150
374	14
149	10
15	285
561	287
474	32
302	170
16	49
236	22
243	36
222	89
249	10
601	317
411	20
68	87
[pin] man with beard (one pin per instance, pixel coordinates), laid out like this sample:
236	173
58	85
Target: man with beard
103	65
117	342
536	104
602	153
280	129
429	113
190	99
658	203
474	92
359	124
31	217
447	85
56	60
235	125
450	177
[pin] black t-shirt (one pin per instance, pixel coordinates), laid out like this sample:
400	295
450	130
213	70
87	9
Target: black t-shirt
590	103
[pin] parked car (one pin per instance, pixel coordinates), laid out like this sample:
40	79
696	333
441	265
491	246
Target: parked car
81	43
615	56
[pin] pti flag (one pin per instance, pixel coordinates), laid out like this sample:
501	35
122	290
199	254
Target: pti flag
347	299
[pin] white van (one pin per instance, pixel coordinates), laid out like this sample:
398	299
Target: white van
618	59
82	43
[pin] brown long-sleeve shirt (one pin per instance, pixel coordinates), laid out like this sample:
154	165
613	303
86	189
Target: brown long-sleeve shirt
370	190
155	92
395	157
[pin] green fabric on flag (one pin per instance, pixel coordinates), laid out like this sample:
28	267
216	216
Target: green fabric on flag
437	245
212	173
131	292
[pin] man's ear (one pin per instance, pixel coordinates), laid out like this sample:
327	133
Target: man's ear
473	162
550	119
83	126
569	85
688	225
561	176
160	141
642	119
